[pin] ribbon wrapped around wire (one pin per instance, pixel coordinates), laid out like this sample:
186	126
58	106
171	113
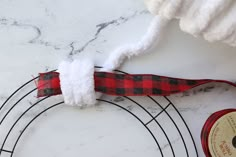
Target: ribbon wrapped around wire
126	84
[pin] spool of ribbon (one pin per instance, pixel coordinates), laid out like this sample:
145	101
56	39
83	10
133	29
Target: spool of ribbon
126	84
218	136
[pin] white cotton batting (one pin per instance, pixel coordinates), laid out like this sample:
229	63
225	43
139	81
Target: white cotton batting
77	82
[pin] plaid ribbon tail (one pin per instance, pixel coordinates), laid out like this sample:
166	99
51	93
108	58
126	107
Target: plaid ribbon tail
125	84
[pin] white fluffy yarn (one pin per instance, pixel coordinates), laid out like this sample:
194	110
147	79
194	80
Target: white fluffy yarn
152	37
77	82
214	20
76	78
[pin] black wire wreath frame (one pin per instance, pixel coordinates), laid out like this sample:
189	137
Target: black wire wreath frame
145	124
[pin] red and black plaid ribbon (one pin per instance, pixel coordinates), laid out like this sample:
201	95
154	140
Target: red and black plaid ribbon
48	84
125	84
208	126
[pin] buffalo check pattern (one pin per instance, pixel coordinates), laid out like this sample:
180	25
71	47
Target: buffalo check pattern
139	85
48	84
125	84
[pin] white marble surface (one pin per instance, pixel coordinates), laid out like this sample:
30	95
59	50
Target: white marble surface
36	35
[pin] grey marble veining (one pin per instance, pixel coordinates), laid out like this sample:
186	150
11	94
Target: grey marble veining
36	35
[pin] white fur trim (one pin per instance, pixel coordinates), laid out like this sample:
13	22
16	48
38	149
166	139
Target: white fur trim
77	83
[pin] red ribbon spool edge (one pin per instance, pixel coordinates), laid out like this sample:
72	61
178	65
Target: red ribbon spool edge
208	126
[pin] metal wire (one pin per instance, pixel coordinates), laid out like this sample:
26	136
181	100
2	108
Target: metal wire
138	120
19	119
145	124
153	118
182	118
